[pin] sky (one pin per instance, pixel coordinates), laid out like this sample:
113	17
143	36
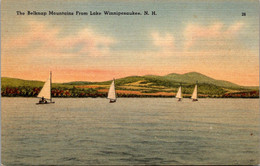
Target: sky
209	37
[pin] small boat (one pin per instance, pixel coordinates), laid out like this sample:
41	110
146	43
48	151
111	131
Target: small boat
179	95
195	93
112	92
45	93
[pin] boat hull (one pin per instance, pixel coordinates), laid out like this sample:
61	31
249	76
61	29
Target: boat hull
45	103
112	101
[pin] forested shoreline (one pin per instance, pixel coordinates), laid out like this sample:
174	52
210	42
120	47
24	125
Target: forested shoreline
92	92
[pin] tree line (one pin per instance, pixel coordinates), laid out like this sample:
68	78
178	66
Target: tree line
26	91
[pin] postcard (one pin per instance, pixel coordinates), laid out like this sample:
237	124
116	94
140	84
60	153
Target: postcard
156	82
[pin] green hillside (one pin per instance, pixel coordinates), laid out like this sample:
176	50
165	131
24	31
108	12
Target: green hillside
192	77
15	82
77	83
169	80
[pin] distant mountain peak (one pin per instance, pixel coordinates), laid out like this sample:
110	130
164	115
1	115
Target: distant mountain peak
194	73
172	74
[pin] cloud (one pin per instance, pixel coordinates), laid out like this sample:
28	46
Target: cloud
42	36
164	42
42	47
196	39
216	34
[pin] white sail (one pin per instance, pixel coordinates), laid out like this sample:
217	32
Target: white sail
112	91
195	93
46	90
179	95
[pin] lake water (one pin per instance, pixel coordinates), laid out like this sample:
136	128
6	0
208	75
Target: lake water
87	131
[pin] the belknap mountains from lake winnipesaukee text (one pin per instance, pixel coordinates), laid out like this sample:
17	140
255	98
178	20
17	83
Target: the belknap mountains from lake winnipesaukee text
134	86
86	13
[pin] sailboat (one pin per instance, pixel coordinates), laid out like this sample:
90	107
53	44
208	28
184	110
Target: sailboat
195	93
179	95
112	92
45	93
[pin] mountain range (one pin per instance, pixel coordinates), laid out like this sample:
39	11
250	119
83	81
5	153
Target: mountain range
173	78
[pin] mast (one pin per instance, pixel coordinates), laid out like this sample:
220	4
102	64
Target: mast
180	92
50	84
197	90
115	87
